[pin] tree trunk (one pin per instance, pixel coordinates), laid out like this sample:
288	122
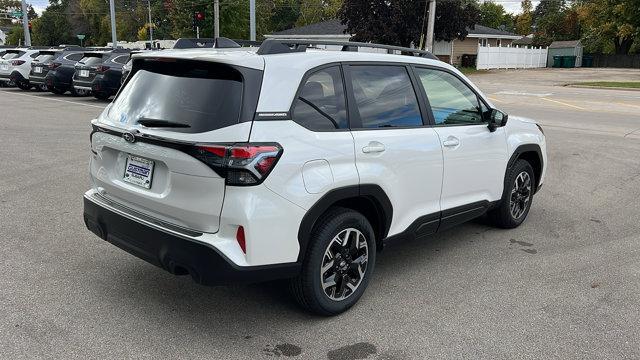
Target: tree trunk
622	45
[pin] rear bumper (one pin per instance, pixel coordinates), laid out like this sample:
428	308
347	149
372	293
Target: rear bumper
178	255
55	80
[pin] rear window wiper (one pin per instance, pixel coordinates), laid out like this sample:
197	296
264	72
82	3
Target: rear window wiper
161	123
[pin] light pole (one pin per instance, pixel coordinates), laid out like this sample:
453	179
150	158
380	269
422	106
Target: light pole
252	20
150	25
432	20
112	8
216	18
25	24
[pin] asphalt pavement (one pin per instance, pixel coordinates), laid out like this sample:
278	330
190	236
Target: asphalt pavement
565	285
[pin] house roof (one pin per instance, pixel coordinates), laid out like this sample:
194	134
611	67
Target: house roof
329	27
484	31
525	40
564	44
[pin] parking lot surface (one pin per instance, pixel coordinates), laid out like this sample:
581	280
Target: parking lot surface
566	284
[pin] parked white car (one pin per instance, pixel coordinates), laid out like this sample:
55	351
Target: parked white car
15	66
299	163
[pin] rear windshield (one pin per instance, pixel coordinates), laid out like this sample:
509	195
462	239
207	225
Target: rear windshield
201	96
91	60
12	55
45	57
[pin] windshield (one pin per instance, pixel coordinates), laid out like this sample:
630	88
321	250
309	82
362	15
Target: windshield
203	96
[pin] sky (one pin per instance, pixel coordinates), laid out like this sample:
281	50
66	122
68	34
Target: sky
512	6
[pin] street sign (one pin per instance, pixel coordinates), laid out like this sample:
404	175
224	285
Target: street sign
16	14
80	36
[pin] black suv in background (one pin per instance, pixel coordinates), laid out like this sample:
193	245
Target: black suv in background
100	72
60	71
40	68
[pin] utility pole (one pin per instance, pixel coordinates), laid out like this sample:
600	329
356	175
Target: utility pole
432	20
112	8
216	18
150	26
252	20
25	24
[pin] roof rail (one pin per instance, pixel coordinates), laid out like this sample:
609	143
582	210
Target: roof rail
284	46
218	43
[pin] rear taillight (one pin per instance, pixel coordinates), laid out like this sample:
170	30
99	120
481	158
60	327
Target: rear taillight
17	62
54	65
241	239
240	164
102	68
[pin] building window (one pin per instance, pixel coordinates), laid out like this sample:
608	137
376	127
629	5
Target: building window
499	42
482	42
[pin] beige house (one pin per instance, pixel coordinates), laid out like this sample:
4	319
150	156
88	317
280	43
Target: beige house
452	51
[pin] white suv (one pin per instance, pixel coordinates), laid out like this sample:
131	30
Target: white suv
15	66
297	162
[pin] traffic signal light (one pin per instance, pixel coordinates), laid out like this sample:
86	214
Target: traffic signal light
198	19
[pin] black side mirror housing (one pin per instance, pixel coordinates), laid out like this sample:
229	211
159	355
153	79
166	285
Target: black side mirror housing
497	119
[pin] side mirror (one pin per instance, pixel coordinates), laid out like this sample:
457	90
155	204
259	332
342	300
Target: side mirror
497	119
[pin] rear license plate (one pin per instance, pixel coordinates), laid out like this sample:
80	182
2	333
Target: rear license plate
37	70
84	73
138	171
4	67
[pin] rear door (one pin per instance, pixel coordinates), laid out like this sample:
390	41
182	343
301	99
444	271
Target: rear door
147	147
394	145
474	157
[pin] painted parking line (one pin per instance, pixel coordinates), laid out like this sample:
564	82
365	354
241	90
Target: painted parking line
51	99
563	103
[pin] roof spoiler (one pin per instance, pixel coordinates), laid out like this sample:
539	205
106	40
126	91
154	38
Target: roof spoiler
217	43
284	46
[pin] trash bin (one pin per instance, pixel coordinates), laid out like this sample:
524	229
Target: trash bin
569	61
587	61
469	60
557	61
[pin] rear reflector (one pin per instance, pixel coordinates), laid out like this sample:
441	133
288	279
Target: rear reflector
240	164
241	240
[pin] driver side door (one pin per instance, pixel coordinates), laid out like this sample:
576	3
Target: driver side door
474	157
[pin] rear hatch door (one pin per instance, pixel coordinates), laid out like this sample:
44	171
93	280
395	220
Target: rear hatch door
143	142
86	67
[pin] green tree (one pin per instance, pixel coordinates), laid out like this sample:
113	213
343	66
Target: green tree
525	19
401	22
313	11
8	6
493	15
52	28
610	25
15	36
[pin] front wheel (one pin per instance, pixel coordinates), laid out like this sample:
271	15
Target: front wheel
338	265
517	196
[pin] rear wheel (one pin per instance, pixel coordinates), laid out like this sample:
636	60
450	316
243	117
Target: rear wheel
338	265
516	198
23	85
101	95
79	92
57	91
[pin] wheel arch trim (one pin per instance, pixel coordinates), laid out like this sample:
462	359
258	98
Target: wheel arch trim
522	149
372	192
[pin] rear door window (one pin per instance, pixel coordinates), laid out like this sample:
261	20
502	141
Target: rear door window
385	96
192	98
122	59
321	104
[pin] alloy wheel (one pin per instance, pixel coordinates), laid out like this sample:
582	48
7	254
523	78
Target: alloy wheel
344	264
520	195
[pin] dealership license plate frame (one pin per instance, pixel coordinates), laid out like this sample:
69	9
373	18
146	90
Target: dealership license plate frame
134	171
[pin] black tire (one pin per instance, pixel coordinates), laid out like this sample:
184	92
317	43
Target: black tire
101	95
23	86
307	287
57	91
80	93
503	216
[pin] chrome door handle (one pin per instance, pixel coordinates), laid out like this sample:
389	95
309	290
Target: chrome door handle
451	142
373	147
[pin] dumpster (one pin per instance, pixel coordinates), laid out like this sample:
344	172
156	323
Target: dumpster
587	61
569	61
557	61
